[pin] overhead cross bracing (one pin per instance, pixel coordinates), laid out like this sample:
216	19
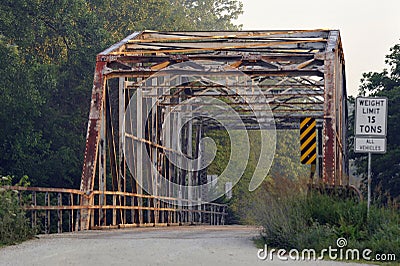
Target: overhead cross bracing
294	74
287	65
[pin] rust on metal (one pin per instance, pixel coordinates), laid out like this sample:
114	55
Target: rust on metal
92	139
301	73
65	204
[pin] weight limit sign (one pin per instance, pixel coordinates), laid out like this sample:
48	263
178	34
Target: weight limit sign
371	116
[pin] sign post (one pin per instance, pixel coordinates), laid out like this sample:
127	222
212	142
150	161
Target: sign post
370	130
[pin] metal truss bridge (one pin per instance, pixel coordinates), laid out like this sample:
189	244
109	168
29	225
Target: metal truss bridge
157	94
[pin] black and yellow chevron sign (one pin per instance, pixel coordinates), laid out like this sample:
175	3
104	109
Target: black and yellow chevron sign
308	140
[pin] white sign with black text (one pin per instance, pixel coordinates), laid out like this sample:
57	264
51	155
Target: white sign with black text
371	116
370	130
372	145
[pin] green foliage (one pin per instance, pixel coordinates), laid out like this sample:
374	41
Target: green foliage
287	156
14	227
48	51
123	17
221	139
22	145
386	167
292	219
286	165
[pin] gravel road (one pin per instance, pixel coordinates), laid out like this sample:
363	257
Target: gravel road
187	245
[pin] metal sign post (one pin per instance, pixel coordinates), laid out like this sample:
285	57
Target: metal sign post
370	130
369	183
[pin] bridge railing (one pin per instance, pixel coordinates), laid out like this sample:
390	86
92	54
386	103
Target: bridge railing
58	210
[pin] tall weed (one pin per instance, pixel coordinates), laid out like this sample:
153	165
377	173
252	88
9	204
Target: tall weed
292	218
14	226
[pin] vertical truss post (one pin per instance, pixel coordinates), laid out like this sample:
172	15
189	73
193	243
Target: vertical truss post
92	141
174	133
134	200
339	109
59	214
102	168
199	131
180	135
139	151
71	214
330	131
153	136
121	136
344	117
167	137
189	167
319	149
47	215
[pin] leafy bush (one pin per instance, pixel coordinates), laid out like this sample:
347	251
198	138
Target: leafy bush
303	221
14	226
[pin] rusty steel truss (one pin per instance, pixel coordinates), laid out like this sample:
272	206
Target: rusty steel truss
301	73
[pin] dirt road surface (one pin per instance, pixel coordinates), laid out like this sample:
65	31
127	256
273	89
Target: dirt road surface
187	245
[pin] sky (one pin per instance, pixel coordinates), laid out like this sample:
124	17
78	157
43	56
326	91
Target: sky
368	28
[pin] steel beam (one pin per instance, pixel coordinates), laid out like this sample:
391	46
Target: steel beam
92	140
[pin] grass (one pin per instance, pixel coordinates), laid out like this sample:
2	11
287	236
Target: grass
293	219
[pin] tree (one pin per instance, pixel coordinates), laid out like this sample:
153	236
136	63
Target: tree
212	14
22	146
48	52
121	18
386	167
285	168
